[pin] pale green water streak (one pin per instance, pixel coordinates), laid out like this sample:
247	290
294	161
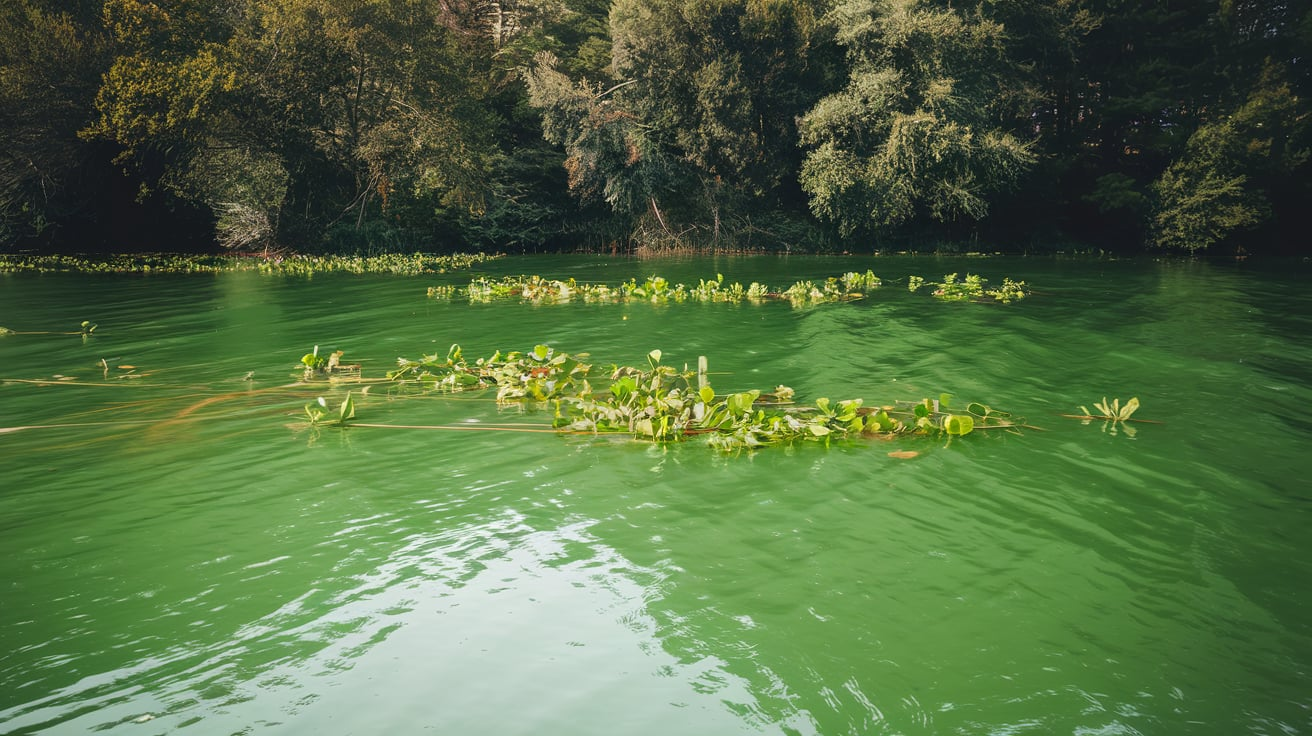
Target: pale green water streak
219	569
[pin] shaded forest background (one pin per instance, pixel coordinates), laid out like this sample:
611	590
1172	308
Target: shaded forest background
346	126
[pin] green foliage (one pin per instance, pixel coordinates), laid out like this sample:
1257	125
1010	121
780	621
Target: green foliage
722	81
1009	291
1219	186
698	128
1114	415
538	375
329	366
413	264
51	63
1114	411
951	290
660	403
245	188
319	413
653	125
914	131
972	288
1118	194
659	290
610	155
310	110
314	362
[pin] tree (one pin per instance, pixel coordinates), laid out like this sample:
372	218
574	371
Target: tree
696	124
528	200
305	120
919	130
1232	166
50	66
610	154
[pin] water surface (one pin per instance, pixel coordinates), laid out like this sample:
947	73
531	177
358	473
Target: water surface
180	554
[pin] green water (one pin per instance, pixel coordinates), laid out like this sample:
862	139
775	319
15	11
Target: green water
182	555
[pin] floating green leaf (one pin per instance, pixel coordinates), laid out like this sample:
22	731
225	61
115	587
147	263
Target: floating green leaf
958	424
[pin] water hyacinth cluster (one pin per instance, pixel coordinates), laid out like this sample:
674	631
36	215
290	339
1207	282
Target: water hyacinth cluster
660	403
659	290
538	375
972	288
414	264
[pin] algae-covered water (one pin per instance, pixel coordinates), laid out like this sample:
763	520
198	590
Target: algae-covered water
180	553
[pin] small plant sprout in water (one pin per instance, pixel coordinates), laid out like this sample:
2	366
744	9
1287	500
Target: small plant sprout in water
320	413
1114	415
313	362
319	365
1114	411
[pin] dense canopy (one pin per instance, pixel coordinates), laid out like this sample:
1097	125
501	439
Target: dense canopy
375	125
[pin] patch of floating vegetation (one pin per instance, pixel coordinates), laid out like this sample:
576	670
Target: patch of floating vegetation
659	290
413	264
660	403
655	403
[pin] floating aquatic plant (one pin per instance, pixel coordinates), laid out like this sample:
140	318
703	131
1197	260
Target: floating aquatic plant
652	401
661	403
314	362
972	288
1114	411
319	413
413	264
1115	416
659	290
319	365
538	374
1009	291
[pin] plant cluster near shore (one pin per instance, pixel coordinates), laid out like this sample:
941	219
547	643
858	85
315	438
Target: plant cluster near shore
414	264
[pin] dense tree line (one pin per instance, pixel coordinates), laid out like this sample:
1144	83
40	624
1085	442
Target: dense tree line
347	125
